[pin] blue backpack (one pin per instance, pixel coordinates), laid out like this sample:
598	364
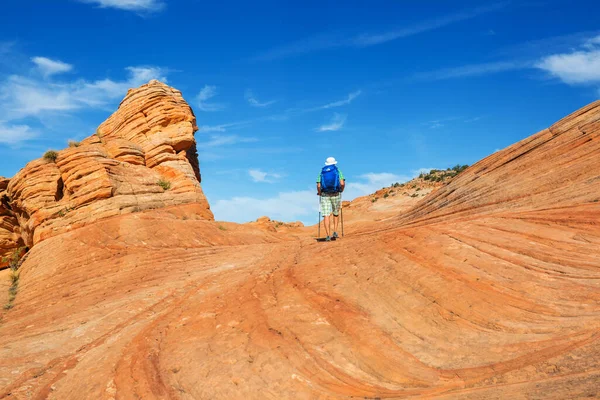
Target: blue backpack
330	179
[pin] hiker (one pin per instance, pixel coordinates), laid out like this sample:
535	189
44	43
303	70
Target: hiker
330	185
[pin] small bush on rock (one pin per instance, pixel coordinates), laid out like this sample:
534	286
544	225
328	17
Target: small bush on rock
50	156
165	184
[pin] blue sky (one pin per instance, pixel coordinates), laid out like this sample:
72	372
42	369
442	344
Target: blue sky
388	88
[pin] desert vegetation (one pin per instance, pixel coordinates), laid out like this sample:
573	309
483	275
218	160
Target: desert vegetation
51	155
13	263
165	184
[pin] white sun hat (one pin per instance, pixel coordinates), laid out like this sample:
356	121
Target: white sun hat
330	161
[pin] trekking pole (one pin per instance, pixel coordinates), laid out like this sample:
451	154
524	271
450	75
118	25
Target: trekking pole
319	230
342	212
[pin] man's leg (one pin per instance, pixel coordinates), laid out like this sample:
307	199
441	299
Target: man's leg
335	222
336	205
326	210
326	223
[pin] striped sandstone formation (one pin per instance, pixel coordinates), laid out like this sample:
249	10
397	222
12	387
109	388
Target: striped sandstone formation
113	172
486	288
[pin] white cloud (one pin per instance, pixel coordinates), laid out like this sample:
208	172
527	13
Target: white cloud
213	128
129	5
337	122
372	182
592	43
425	26
327	41
15	134
23	97
469	70
207	93
300	205
258	175
286	206
50	67
580	67
225	140
253	101
339	103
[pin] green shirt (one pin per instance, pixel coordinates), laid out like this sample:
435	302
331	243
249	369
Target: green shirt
341	176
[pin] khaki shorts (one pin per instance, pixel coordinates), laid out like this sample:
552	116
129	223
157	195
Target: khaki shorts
331	204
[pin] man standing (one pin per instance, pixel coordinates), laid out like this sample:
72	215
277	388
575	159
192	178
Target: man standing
330	185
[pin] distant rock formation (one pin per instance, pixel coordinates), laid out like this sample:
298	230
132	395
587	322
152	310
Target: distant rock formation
142	157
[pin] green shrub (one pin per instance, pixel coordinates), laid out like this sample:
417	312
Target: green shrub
165	184
73	143
50	156
385	196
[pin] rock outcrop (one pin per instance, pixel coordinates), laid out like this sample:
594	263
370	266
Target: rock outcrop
487	288
146	143
10	237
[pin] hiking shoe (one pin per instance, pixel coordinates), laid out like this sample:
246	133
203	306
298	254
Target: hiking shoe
328	239
335	235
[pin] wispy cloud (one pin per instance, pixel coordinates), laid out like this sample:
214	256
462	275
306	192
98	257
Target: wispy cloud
207	93
15	134
253	101
328	41
435	124
442	122
258	175
292	112
340	103
50	67
575	67
470	70
225	140
337	122
129	5
285	206
371	182
24	97
425	26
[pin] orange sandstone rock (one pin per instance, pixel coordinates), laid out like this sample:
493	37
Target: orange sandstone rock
116	171
485	288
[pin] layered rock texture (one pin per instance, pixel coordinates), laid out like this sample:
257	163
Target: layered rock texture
148	140
486	288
